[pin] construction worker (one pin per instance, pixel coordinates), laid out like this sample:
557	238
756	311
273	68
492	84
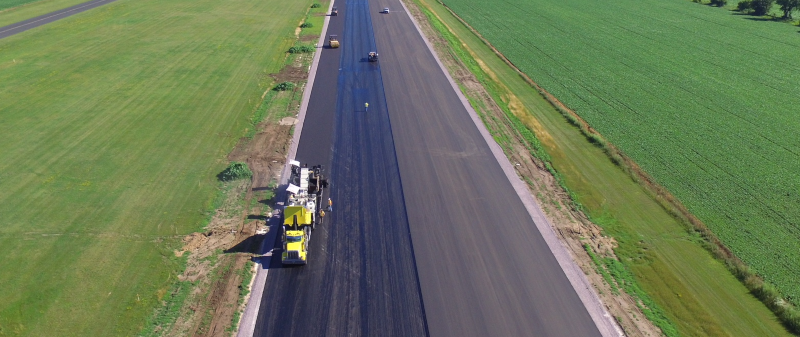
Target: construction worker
321	213
330	205
366	107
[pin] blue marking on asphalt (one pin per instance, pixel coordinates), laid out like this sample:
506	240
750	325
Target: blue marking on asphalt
368	184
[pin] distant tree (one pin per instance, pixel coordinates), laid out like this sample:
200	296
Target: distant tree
719	3
761	7
788	6
744	6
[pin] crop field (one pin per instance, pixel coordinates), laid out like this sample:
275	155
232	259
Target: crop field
704	100
114	124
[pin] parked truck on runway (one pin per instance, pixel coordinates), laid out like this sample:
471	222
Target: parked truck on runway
303	212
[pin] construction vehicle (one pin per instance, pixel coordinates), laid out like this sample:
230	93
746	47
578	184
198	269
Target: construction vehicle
302	213
334	11
372	56
333	41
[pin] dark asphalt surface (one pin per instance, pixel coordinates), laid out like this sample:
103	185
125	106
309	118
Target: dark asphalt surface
477	260
483	266
22	26
427	237
361	279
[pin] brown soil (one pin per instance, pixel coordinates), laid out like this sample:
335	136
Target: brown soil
291	73
573	227
309	38
233	236
231	239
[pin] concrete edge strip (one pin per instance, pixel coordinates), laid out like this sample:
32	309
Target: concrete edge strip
247	323
604	321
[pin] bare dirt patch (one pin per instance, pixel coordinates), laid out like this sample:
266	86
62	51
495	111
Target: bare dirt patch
219	254
572	226
291	74
309	38
265	154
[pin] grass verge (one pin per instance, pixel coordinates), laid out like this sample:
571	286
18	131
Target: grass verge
721	151
115	123
612	271
669	263
21	10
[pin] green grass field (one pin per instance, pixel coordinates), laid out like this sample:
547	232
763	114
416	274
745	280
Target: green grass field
696	291
13	3
115	123
25	9
703	99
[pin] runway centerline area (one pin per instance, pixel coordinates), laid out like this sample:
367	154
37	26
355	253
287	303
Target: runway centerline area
361	278
428	237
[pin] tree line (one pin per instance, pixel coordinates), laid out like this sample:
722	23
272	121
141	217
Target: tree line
762	7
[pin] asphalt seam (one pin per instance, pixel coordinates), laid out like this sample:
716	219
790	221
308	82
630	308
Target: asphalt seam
247	323
602	319
400	179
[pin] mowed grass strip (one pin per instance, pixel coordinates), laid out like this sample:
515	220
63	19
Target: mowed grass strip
21	10
6	4
704	100
114	123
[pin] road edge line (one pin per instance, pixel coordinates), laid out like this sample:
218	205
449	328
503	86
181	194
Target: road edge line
247	323
601	317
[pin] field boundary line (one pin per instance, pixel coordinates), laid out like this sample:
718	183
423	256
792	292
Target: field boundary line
247	323
603	320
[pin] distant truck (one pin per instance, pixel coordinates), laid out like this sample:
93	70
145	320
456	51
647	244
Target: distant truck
302	213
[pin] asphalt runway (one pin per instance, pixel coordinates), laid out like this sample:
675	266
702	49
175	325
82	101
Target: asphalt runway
427	236
483	266
361	279
22	26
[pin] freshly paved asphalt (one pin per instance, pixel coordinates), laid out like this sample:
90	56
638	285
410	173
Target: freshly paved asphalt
412	168
483	266
22	26
361	279
427	236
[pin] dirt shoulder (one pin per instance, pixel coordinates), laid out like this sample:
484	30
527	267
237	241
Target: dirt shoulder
219	264
572	226
219	268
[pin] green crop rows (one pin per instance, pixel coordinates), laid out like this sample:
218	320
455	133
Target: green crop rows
704	100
